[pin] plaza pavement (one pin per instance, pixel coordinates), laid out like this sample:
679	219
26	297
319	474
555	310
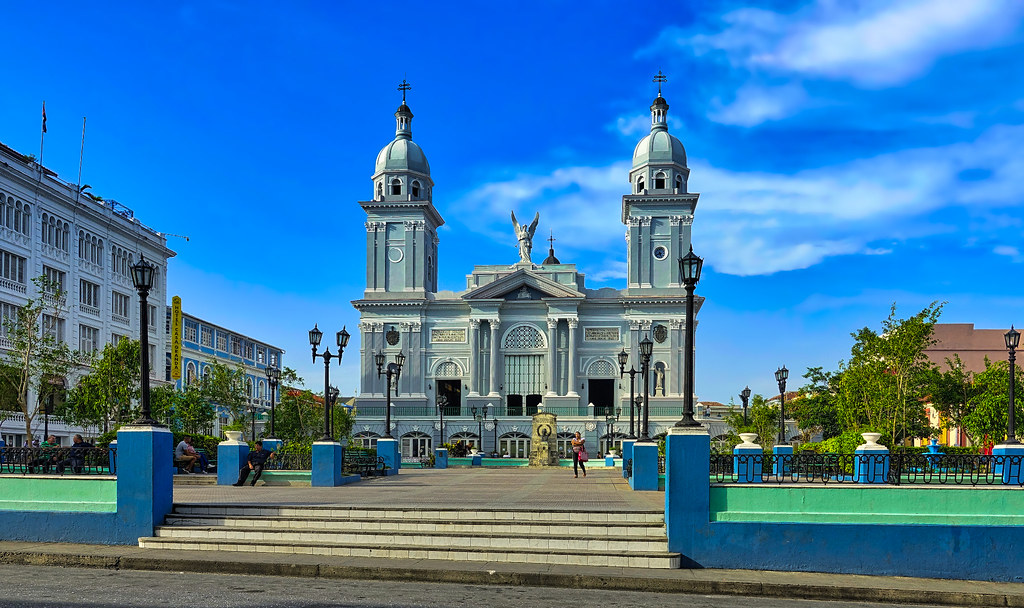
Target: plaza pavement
527	489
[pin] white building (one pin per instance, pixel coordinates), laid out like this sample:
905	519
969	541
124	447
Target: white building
85	245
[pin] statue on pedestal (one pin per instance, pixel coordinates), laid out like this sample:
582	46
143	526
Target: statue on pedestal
525	235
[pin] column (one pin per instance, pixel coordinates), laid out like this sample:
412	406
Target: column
408	374
678	360
474	347
573	324
495	338
552	327
378	345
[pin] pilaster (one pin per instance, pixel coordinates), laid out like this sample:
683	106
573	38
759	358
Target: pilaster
552	327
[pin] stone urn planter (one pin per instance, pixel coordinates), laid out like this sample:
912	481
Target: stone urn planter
233	436
748	439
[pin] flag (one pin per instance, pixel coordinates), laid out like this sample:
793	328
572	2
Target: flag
44	117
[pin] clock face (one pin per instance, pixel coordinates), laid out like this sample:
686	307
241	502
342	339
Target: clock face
395	255
660	253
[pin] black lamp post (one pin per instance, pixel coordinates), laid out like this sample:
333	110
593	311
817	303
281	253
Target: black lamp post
609	428
252	410
479	417
494	419
332	400
1012	338
273	377
646	350
745	395
393	372
689	269
441	402
781	375
142	277
314	340
623	359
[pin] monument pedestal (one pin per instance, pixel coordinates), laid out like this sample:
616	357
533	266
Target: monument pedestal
544	442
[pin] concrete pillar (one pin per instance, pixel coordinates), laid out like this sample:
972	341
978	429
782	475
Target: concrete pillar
645	467
144	480
495	338
474	348
747	459
573	324
781	468
627	453
441	458
326	471
872	460
552	327
687	490
388	449
1010	463
274	445
231	457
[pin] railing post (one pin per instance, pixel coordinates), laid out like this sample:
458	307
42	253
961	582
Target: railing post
231	456
387	448
326	466
144	481
747	459
781	464
645	467
872	460
1010	462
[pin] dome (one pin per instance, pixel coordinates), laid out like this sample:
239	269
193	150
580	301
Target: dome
402	155
659	147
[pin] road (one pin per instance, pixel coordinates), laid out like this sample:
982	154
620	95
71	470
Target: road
46	586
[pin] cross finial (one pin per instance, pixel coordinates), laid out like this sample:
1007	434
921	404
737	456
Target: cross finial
660	78
405	86
551	240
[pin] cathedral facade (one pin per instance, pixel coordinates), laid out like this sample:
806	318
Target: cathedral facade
521	337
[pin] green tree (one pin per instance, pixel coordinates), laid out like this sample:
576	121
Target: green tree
107	396
816	409
954	395
224	386
35	357
989	405
762	418
186	411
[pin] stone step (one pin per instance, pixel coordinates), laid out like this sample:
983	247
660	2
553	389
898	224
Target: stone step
195	479
651	559
436	540
414	513
602	530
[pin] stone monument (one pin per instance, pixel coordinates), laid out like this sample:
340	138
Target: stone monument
544	446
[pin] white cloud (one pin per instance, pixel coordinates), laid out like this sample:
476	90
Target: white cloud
754	105
873	44
751	223
1009	251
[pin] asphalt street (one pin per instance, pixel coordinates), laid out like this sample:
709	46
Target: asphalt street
45	586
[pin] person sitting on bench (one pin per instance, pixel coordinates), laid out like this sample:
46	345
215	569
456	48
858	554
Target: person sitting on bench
257	458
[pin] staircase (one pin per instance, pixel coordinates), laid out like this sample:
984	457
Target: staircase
589	538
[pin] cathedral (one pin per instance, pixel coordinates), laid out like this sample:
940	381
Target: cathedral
523	336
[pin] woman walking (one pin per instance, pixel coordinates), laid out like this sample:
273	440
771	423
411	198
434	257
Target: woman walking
578	450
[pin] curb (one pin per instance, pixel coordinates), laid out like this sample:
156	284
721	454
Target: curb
611	582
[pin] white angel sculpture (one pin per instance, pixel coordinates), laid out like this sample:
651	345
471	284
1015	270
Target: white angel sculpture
525	235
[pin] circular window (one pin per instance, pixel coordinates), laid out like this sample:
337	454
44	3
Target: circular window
660	253
395	255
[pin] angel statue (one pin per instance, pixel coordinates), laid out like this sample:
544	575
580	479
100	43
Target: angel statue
525	235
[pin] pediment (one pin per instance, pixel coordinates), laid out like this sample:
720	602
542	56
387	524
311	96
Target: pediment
522	285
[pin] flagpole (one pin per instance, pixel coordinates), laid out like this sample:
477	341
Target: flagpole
42	136
81	155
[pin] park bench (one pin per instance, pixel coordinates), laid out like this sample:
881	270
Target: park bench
364	463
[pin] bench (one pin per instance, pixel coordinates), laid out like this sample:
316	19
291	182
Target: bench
211	464
364	463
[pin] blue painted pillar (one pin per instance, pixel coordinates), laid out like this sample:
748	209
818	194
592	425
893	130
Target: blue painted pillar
1009	465
231	457
687	490
609	460
645	467
326	464
112	446
780	466
388	450
441	458
145	479
747	460
274	445
627	453
872	461
478	459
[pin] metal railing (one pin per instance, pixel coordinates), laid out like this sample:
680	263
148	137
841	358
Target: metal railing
894	469
58	461
290	462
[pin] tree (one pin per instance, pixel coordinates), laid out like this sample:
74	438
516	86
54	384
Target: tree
762	418
106	397
36	356
990	403
224	386
186	411
816	409
954	395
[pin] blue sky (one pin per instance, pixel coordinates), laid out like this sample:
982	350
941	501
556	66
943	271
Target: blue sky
849	154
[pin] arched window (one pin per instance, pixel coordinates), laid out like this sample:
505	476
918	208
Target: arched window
380	195
396	186
515	445
679	182
602	369
190	373
659	181
640	185
470	440
416	445
416	189
524	337
366	439
448	369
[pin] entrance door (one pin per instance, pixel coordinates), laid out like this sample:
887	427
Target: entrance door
451	390
515	405
602	395
532	401
415	445
516	445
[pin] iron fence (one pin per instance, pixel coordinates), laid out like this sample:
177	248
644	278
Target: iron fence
894	469
58	461
290	462
661	464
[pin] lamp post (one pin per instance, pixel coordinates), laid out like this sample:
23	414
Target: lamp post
332	398
689	269
781	375
1012	338
314	340
142	277
745	395
646	350
494	418
623	359
252	410
441	402
273	377
609	428
393	372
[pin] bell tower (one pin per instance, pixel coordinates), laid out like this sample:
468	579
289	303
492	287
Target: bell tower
658	211
401	221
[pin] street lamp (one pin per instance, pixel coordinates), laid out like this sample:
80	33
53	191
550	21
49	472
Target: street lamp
646	350
744	395
1012	338
273	377
689	269
252	410
441	402
623	359
781	375
392	371
331	400
609	428
142	277
314	340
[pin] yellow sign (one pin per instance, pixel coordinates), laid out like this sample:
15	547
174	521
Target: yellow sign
176	338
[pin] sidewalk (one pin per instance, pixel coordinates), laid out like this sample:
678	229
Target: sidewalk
816	586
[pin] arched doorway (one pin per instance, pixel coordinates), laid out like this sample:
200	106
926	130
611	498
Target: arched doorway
365	439
515	445
470	440
601	378
416	445
524	347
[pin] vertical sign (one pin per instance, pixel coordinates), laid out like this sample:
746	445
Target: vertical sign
176	338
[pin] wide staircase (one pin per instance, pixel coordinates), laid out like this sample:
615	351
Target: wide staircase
587	538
